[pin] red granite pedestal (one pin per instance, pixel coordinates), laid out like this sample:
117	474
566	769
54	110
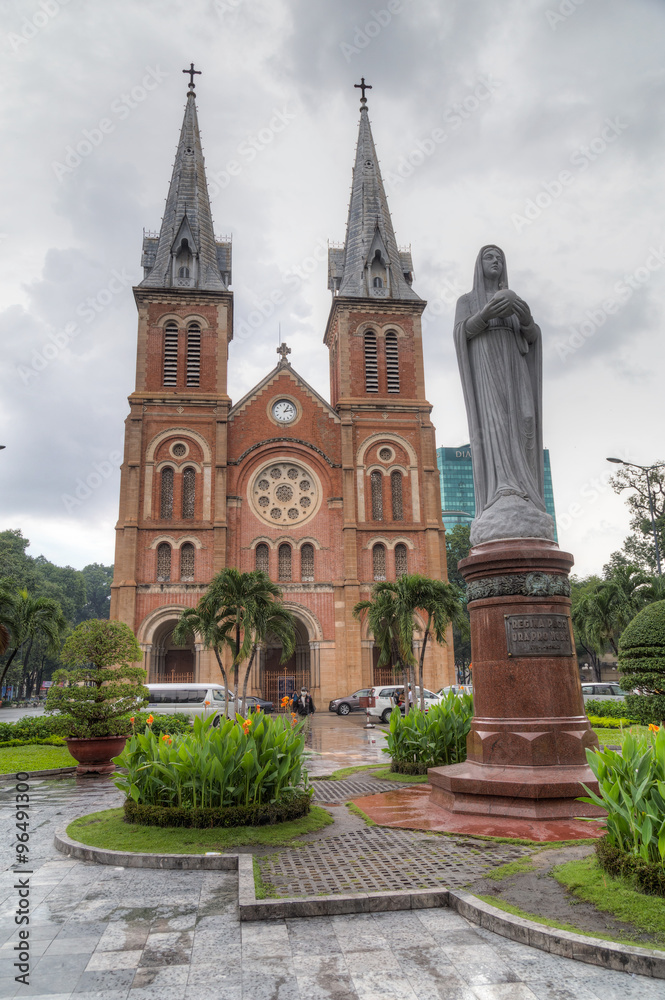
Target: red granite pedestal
526	749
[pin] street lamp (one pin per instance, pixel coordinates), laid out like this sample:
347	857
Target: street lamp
647	469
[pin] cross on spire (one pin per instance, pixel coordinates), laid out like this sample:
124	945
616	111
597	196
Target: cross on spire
283	350
363	87
192	73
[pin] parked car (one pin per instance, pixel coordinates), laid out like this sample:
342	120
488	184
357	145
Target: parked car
190	699
609	691
252	703
351	703
381	700
456	689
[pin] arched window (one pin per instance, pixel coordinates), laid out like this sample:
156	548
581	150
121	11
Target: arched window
392	361
307	563
401	565
183	272
166	501
193	354
396	495
377	282
262	558
170	354
187	561
163	562
371	363
379	562
188	491
284	562
376	481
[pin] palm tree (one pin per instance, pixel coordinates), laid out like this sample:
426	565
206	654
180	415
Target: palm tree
209	623
442	604
391	628
27	618
271	618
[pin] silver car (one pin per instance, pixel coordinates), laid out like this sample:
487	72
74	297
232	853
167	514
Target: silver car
609	691
190	699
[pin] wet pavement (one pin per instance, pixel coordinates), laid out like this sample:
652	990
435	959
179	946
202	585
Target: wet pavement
338	741
130	934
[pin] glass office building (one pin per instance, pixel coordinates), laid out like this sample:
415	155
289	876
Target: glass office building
456	481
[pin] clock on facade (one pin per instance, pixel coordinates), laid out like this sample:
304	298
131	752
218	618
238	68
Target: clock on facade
284	411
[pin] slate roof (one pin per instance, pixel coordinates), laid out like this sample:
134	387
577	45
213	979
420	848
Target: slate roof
187	212
369	228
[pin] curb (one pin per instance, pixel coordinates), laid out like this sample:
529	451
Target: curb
51	773
593	951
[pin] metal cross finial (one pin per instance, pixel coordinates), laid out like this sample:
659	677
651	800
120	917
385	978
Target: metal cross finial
363	87
192	73
283	350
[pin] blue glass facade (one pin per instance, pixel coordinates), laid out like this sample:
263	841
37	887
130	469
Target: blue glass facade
456	480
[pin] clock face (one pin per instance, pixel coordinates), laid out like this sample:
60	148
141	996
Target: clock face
284	411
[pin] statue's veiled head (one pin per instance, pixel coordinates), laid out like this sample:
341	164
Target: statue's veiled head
493	263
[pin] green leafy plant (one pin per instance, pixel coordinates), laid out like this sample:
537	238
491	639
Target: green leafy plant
250	762
100	695
606	709
174	723
632	789
419	740
609	722
35	729
642	663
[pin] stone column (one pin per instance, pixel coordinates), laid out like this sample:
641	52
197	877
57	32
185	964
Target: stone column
526	749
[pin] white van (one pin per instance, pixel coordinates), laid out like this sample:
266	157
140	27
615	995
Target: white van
381	700
190	699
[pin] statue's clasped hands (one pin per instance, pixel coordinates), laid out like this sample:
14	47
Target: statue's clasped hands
506	302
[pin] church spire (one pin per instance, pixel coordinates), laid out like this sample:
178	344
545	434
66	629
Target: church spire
369	265
186	255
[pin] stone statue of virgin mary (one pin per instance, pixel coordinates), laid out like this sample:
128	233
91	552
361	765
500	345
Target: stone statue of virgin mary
500	361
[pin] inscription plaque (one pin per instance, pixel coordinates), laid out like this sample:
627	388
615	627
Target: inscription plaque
538	635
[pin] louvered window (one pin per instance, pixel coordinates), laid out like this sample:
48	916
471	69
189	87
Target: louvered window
163	562
376	481
193	354
401	566
392	362
187	562
166	501
371	363
188	491
170	354
284	562
307	563
396	494
262	557
379	562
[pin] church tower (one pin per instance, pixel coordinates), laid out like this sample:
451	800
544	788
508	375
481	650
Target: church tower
171	532
392	509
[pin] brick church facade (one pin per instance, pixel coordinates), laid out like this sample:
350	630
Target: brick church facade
326	497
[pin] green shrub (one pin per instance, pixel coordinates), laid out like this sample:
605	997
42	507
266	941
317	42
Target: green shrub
648	876
171	724
642	663
606	709
48	741
603	722
257	761
33	728
289	807
632	789
433	738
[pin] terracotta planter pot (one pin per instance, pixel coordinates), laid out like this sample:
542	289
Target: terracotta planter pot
94	753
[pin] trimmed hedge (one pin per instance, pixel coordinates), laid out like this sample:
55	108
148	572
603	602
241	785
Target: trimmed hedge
267	813
642	663
606	709
46	741
608	722
34	728
171	724
410	767
649	876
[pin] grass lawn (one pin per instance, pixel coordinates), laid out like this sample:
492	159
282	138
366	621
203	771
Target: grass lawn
34	758
412	779
615	737
346	772
587	880
108	829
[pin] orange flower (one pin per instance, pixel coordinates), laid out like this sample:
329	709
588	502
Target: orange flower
285	701
246	726
166	738
132	720
206	703
258	708
653	729
150	720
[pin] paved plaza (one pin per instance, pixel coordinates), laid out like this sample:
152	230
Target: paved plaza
131	934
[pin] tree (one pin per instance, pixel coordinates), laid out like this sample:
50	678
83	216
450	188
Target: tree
639	547
458	545
442	604
27	618
271	619
392	630
208	622
642	664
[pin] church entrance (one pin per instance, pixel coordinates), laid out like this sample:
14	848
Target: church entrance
280	680
170	664
382	675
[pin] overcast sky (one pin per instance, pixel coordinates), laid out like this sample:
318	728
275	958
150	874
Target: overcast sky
533	125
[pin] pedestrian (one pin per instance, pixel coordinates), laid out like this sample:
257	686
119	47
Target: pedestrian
295	703
306	703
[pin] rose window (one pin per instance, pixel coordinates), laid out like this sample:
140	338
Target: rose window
179	449
284	493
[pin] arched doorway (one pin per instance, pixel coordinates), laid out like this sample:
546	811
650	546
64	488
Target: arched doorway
170	664
280	679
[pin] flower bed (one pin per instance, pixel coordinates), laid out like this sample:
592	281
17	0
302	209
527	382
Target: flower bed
245	772
419	740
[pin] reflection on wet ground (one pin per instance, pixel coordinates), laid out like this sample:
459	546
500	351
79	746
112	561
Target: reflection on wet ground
337	741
